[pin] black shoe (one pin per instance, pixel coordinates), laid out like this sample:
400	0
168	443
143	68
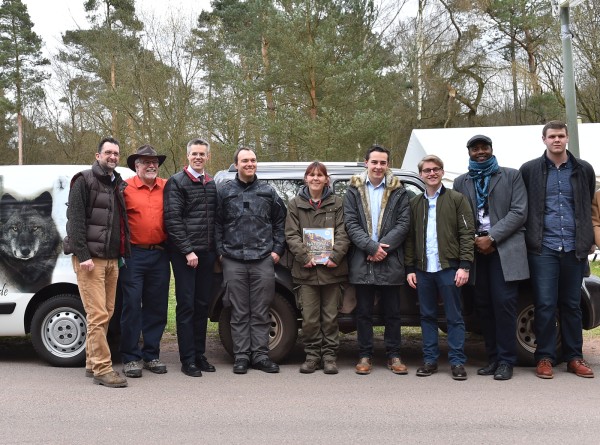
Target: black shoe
203	364
458	372
240	366
191	370
504	372
427	369
266	365
488	369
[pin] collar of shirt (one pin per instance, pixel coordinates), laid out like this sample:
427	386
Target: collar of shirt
435	195
381	184
193	172
550	164
138	183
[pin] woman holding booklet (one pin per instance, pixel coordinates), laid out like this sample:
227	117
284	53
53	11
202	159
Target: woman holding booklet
316	236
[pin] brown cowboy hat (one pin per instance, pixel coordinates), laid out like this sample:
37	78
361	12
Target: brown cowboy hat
144	150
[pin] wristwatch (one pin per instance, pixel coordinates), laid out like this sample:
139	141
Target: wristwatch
466	269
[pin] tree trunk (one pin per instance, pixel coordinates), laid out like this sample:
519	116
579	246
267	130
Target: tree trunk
20	135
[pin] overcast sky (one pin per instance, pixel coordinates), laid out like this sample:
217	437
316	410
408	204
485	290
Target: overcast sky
52	18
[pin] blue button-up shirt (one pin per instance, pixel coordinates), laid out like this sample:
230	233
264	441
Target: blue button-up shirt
431	243
375	198
559	211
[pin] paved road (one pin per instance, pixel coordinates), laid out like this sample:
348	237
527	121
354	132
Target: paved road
40	404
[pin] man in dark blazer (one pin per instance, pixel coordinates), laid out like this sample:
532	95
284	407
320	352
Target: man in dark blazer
499	201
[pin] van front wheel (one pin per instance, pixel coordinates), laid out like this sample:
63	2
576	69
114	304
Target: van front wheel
58	331
283	330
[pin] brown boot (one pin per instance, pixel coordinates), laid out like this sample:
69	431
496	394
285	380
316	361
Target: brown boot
330	367
111	379
309	366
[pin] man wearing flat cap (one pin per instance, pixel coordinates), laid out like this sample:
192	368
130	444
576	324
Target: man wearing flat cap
190	207
499	202
144	279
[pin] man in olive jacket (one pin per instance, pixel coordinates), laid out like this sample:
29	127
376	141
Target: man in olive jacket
439	254
377	216
499	201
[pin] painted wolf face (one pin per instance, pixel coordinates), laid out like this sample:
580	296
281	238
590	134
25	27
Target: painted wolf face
27	226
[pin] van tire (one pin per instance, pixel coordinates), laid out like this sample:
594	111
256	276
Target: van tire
59	331
526	343
282	334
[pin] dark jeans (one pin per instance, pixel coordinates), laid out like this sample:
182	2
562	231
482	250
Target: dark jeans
144	286
250	290
429	286
556	279
193	292
389	297
496	308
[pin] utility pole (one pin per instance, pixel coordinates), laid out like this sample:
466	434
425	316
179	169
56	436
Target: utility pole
569	73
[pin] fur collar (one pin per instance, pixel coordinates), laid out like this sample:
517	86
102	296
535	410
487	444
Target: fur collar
359	182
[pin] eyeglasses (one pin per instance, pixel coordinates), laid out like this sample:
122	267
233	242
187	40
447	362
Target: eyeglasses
110	153
432	170
195	154
148	163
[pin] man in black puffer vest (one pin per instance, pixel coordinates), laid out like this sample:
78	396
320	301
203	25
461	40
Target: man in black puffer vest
97	236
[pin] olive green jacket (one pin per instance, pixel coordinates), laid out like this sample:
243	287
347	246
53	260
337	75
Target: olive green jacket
301	214
455	231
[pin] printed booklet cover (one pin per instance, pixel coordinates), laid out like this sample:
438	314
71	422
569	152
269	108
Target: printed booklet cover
320	243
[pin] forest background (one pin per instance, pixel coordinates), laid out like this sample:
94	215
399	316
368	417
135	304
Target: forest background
296	80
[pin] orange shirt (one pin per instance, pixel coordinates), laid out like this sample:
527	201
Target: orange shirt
145	211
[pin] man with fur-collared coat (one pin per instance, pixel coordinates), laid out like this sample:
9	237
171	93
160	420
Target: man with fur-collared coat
377	217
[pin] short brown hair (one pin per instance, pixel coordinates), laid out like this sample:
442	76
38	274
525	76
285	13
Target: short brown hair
555	125
430	158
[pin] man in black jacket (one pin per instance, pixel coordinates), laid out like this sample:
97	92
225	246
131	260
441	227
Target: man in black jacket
559	236
250	239
190	203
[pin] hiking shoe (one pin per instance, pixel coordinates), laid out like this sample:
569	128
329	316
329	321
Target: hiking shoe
111	380
309	366
330	367
155	366
133	369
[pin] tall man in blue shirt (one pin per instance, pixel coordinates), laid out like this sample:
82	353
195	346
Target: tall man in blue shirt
376	213
559	236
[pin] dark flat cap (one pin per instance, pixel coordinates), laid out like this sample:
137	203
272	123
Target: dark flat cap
479	138
144	150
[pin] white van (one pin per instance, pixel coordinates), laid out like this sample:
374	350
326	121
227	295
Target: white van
38	288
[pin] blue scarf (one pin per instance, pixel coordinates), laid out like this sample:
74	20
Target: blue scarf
480	173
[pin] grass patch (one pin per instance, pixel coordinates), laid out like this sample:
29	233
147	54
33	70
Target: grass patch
212	329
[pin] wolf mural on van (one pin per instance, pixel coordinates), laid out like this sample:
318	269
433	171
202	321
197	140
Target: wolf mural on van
29	242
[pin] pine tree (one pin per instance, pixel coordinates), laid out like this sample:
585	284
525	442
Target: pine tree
21	61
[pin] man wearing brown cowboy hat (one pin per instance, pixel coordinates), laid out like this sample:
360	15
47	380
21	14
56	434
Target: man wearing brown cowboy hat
144	280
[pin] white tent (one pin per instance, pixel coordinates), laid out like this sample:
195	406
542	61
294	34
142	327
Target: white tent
512	146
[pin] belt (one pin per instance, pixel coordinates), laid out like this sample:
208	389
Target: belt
150	246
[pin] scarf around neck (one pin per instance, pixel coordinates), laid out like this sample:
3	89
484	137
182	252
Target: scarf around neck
480	173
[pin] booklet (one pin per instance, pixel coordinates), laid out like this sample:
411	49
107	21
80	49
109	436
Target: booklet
320	243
